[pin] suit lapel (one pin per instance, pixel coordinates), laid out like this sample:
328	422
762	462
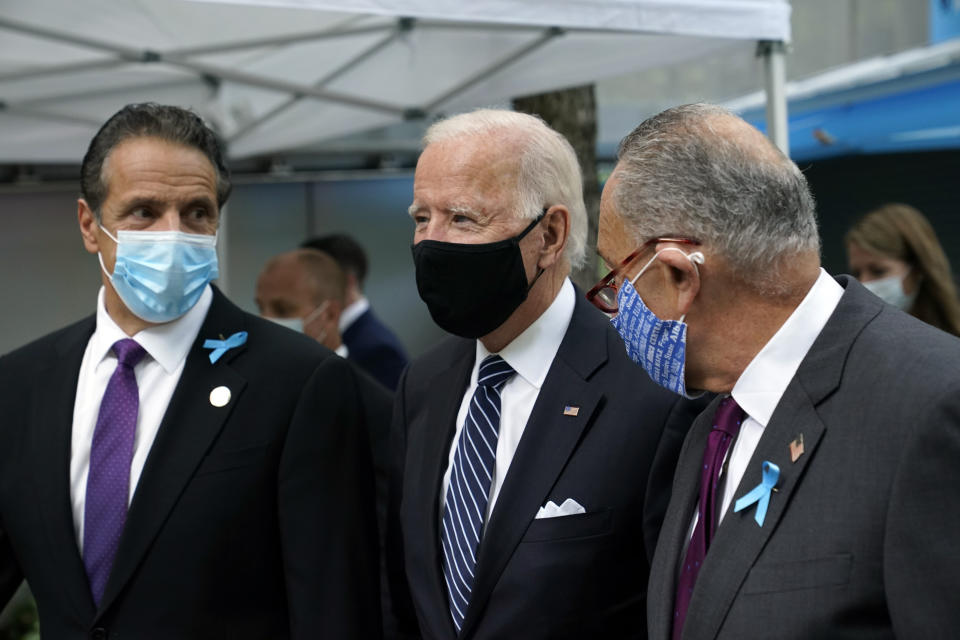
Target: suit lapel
448	387
549	438
189	427
52	430
676	525
739	540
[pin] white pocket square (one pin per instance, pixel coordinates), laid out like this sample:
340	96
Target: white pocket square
570	507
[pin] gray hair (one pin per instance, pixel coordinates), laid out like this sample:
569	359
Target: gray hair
680	174
548	172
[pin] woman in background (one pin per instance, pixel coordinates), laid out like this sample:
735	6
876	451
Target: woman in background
894	252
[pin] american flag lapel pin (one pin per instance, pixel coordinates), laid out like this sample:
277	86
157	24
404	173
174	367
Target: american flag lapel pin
571	411
796	448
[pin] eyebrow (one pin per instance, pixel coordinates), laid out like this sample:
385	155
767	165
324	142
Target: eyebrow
415	208
143	201
157	203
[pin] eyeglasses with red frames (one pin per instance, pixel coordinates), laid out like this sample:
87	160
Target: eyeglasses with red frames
604	294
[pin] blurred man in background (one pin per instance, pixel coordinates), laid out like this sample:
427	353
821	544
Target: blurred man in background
304	290
171	466
524	445
371	344
817	498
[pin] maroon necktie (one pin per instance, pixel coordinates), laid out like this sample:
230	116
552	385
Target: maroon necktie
726	425
108	482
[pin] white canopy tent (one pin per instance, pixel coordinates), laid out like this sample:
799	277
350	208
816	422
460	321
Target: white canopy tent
278	75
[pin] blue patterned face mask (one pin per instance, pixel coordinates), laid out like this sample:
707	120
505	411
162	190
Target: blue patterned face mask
160	275
659	346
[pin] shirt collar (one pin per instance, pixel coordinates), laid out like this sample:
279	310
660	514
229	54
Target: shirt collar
353	311
532	352
167	343
765	380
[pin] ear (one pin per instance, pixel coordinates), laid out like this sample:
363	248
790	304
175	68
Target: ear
352	283
88	226
556	230
683	267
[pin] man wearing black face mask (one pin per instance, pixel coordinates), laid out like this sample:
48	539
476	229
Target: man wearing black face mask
524	446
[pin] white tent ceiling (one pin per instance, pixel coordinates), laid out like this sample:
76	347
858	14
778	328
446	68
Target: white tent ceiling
286	74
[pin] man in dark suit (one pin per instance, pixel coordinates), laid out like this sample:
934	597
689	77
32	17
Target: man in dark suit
370	343
172	467
524	445
817	497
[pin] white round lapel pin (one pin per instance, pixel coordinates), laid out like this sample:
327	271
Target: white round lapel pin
220	396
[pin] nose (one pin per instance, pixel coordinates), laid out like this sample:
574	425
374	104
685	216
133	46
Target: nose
169	221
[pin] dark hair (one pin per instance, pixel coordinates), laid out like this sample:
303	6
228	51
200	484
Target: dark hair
149	120
345	250
899	231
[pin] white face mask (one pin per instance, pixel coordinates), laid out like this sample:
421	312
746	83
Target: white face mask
890	290
294	324
298	324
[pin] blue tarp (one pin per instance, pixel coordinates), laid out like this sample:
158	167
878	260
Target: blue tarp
906	114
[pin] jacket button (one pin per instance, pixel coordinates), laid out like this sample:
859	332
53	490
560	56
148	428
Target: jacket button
98	634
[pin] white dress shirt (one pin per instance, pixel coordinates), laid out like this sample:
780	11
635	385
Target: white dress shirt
351	312
157	375
761	385
530	354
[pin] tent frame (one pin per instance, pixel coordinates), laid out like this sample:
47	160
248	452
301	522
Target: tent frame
772	52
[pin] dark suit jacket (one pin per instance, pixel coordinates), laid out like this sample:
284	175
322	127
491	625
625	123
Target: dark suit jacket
860	541
377	401
252	520
373	347
578	576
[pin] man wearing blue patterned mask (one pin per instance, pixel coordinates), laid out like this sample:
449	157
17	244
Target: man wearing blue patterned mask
173	466
816	497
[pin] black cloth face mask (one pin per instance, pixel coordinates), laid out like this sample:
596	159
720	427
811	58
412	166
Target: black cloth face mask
471	289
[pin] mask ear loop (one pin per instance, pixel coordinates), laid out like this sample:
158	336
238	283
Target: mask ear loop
696	258
313	315
100	254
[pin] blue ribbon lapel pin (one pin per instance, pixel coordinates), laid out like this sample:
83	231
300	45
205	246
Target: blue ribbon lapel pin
221	346
760	493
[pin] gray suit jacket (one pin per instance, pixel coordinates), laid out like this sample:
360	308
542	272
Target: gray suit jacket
862	539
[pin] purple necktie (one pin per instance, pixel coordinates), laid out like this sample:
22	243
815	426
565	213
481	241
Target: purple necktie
108	482
726	425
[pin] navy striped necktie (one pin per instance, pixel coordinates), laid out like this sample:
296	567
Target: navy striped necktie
470	478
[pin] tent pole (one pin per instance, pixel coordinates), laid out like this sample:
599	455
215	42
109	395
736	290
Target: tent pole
773	53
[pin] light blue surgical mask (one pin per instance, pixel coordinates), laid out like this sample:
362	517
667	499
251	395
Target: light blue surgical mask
659	346
160	275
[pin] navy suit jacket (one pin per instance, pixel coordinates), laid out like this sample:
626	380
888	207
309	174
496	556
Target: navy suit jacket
580	576
375	349
252	520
